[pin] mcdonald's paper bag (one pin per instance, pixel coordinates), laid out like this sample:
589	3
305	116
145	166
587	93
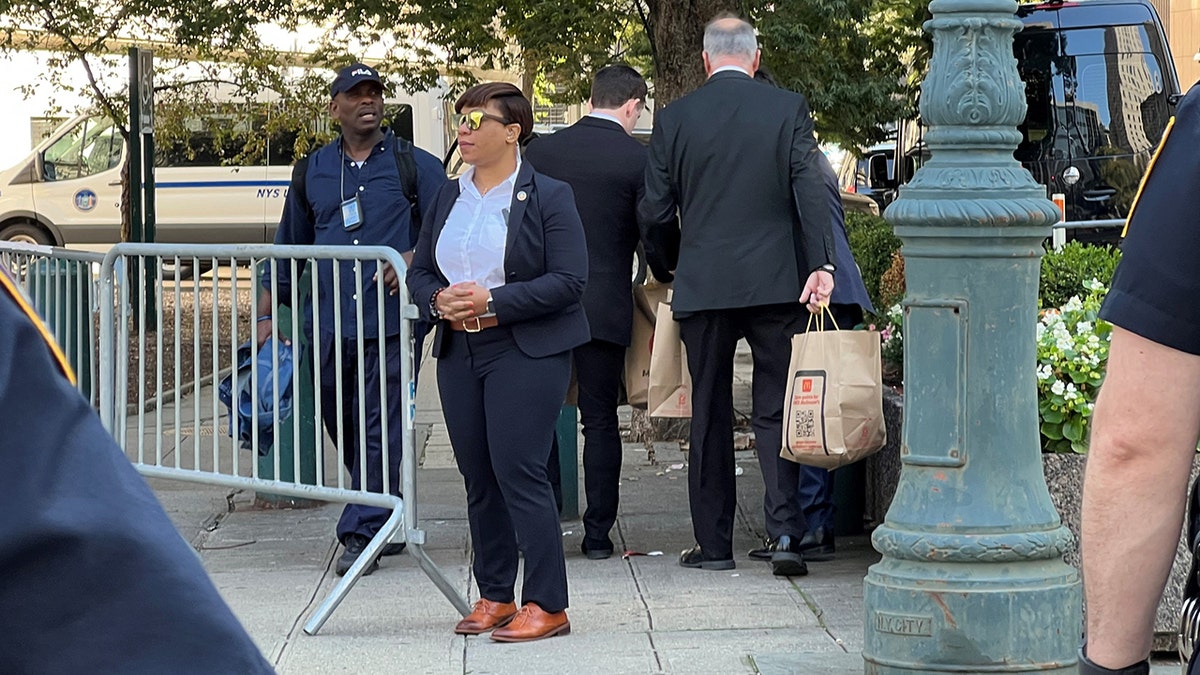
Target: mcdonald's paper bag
637	358
670	393
833	413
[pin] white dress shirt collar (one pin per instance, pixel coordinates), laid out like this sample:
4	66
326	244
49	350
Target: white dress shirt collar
605	116
725	69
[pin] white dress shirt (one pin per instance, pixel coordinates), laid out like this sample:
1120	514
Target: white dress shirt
472	243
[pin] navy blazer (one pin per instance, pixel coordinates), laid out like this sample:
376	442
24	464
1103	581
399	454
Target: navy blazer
545	266
606	169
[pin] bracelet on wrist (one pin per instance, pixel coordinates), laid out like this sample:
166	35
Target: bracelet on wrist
433	310
267	317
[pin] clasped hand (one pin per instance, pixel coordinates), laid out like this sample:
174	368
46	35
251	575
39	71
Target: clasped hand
462	301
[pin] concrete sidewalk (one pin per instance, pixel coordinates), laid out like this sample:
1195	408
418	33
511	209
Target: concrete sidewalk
640	614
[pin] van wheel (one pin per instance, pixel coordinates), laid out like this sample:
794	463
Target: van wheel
25	233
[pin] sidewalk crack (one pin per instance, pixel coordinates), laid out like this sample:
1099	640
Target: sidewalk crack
637	583
820	615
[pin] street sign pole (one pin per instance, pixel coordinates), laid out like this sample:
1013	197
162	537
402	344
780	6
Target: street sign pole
141	172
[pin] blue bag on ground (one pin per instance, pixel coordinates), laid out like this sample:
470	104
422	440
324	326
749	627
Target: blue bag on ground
240	385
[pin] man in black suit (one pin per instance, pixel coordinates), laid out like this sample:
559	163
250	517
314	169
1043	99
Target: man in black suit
606	168
754	244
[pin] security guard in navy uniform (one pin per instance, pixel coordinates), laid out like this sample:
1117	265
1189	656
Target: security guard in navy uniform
1147	416
95	578
350	193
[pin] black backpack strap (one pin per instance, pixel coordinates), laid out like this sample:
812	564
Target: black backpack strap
300	186
406	165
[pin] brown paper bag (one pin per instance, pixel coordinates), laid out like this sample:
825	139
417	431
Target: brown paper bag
637	358
833	413
670	393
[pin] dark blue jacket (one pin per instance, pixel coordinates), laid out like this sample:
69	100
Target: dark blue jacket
848	286
332	178
96	579
545	266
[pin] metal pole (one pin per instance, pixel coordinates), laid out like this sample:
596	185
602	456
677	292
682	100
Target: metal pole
135	164
148	231
972	578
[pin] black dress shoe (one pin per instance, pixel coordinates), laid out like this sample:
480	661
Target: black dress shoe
355	543
786	559
596	551
693	558
817	545
765	552
393	549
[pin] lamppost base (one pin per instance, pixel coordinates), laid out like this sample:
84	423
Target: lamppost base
930	617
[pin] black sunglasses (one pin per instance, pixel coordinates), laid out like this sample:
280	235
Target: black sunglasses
474	119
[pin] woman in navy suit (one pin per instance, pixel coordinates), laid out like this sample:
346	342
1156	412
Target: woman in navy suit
500	266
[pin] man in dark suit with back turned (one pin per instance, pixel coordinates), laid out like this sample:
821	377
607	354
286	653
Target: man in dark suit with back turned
755	245
606	168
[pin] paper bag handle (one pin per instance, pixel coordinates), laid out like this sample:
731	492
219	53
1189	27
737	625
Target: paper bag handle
821	320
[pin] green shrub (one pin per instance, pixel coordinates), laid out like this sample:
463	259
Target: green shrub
872	242
1064	272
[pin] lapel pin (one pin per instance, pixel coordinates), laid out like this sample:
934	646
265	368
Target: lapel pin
521	196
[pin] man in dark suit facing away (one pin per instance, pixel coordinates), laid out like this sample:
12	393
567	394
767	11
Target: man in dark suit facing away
605	167
755	245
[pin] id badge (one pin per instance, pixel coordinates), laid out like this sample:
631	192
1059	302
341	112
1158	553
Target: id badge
352	217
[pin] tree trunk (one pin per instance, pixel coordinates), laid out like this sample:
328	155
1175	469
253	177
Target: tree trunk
676	30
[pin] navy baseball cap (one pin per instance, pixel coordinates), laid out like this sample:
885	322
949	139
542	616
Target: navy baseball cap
351	75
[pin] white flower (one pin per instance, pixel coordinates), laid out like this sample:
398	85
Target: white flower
1045	372
1083	328
1073	305
1058	387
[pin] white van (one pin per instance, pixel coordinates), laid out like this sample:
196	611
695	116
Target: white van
67	191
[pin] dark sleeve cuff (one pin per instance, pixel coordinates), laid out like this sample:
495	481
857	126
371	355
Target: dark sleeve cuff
1137	316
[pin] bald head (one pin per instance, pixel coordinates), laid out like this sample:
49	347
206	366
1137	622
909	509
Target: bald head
730	41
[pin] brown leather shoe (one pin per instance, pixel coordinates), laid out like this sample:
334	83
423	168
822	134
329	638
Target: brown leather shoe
486	616
533	623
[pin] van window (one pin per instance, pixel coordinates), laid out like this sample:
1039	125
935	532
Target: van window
281	148
400	119
90	147
212	140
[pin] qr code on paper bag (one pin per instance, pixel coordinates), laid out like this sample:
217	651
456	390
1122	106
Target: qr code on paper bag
806	423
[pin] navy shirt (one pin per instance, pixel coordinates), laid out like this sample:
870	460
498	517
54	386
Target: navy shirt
386	221
95	577
1157	282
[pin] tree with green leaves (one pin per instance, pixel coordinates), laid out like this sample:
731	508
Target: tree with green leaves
854	59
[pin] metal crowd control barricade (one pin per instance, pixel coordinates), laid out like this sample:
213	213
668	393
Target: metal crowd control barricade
59	283
200	324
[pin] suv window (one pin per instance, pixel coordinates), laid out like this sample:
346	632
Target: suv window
1044	127
1120	96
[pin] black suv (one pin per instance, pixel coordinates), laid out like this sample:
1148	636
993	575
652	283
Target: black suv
1100	85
